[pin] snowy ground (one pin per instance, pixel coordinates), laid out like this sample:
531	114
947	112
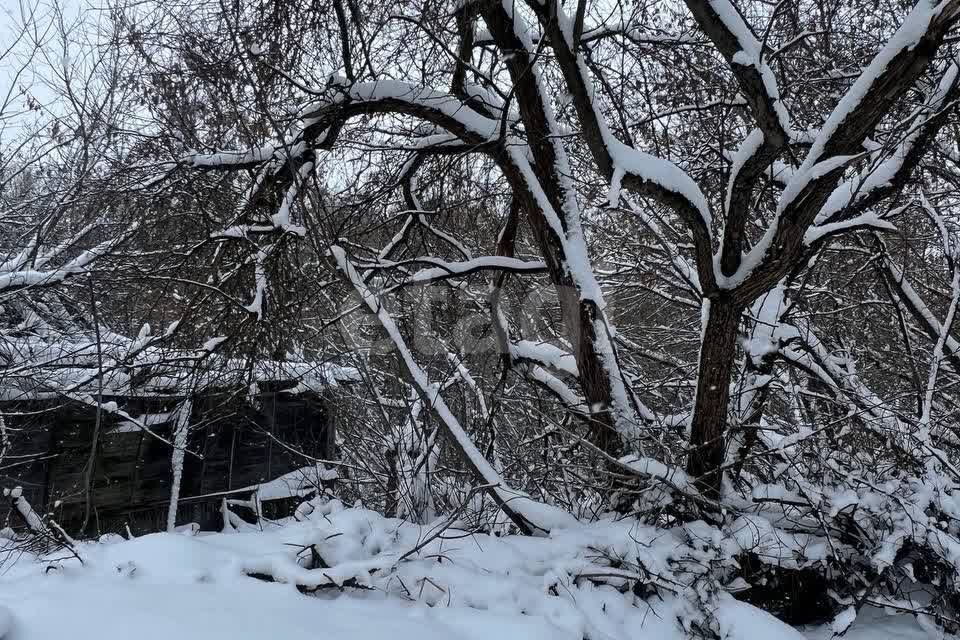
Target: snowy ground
165	586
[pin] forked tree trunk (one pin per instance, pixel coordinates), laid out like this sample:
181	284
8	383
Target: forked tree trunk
579	313
715	369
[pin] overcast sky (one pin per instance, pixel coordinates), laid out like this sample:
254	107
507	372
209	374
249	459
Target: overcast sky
24	69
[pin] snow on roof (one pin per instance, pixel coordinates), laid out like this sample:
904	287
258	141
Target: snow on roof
33	367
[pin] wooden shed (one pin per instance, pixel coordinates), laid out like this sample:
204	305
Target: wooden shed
89	422
234	443
89	419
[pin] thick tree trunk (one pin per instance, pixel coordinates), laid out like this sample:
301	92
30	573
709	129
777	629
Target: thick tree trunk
579	319
579	314
708	437
595	382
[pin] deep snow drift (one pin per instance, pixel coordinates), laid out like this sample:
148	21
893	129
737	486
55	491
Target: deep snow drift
396	581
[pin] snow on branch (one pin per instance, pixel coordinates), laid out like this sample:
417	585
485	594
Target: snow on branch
859	107
883	170
444	269
546	354
733	37
527	514
15	274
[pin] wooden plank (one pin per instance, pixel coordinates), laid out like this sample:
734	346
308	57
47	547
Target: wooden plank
133	475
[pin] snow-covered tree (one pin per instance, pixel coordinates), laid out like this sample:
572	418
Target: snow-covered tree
692	261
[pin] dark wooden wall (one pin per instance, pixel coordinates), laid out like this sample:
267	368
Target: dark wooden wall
232	444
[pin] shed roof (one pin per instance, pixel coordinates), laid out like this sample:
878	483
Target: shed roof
33	367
